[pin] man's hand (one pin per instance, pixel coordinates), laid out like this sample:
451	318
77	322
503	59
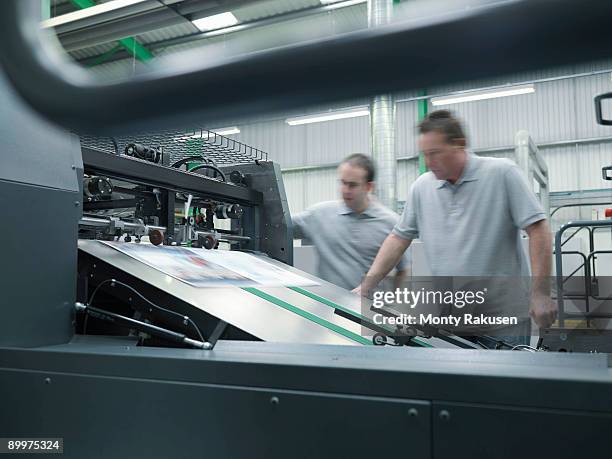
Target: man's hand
388	257
361	291
543	310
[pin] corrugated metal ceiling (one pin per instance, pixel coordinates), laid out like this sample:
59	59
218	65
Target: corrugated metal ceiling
348	18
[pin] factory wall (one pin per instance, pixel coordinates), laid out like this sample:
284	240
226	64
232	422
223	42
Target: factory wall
559	116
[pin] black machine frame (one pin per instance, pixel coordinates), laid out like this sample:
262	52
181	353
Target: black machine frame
169	180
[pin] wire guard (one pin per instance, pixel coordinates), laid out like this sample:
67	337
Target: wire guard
176	145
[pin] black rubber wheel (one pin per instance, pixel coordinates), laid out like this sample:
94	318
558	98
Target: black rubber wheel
379	339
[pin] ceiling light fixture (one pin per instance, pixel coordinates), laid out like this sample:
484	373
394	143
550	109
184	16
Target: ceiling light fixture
221	131
328	116
342	3
482	95
88	12
217	21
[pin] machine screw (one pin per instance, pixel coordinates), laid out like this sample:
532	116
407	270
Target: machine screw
47	380
413	413
274	400
73	167
444	416
76	203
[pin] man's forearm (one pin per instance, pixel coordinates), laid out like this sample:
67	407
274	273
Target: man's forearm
542	308
540	254
388	257
400	277
297	227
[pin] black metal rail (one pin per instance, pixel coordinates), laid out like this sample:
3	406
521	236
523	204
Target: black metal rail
589	270
147	173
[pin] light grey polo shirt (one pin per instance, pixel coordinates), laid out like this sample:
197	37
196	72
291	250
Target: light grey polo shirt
472	228
346	242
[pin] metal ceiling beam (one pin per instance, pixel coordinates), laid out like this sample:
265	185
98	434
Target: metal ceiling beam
139	51
138	19
119	28
509	38
105	56
81	23
130	44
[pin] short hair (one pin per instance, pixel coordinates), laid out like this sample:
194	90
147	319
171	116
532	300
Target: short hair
444	122
362	161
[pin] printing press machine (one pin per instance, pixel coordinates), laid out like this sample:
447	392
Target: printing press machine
271	371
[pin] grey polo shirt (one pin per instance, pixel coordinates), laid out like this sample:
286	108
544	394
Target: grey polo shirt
346	243
472	228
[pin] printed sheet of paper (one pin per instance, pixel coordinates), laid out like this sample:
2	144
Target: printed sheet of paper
211	268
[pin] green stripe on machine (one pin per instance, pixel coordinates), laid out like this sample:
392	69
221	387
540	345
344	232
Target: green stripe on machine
307	315
331	304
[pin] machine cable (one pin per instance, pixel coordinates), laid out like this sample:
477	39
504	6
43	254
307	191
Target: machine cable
185	319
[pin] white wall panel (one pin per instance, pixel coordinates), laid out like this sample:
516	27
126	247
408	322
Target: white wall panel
562	165
332	141
406	119
591	158
320	185
586	89
547	114
288	147
294	189
407	173
309	144
308	187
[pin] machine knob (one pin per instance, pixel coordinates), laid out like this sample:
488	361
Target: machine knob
156	237
233	211
142	152
209	242
237	177
97	186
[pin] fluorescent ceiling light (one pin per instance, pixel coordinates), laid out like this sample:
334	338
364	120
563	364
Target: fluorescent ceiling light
226	130
482	95
343	2
217	21
88	12
329	116
221	131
